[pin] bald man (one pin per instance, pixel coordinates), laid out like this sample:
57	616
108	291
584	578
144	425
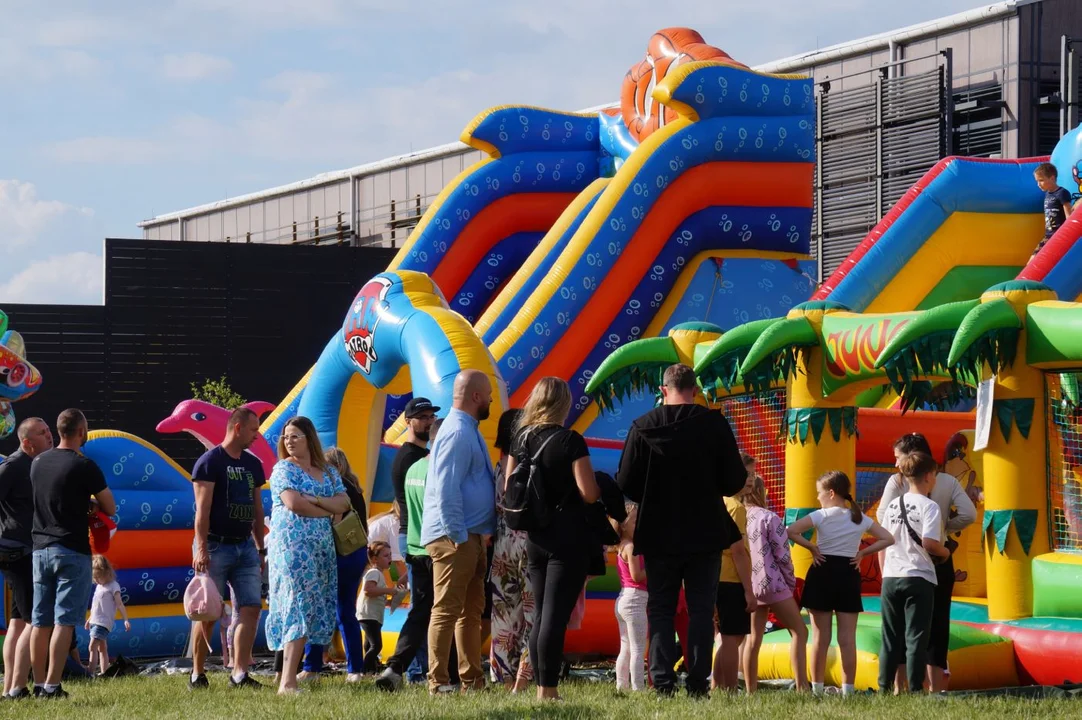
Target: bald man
459	515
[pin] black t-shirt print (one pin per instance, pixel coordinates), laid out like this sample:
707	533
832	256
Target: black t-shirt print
236	481
64	481
1054	216
404	459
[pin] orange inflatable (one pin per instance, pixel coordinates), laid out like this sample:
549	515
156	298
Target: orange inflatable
667	49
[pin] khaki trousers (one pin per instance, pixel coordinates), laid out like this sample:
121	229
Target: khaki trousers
458	578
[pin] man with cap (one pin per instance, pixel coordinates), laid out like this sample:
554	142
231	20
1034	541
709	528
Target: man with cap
420	413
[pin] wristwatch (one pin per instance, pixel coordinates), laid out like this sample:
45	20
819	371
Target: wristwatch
263	552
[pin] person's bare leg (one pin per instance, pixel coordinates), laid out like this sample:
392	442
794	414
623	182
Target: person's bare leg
730	660
937	679
20	668
200	646
788	613
847	646
39	652
16	630
92	660
751	649
103	655
822	630
293	652
59	647
244	639
901	682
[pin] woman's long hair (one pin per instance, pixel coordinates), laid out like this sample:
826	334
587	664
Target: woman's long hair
315	448
549	404
336	458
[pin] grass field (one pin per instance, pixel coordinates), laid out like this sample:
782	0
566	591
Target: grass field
168	697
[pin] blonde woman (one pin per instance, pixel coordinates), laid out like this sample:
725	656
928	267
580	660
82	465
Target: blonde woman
307	493
558	554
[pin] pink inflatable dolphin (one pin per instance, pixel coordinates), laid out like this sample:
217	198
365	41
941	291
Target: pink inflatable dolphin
207	424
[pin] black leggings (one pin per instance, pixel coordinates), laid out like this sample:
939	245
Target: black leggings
556	582
373	644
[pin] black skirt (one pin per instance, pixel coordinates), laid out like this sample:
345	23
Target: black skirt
833	586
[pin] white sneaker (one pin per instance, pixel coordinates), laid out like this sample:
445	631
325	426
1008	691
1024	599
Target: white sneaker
353	678
389	680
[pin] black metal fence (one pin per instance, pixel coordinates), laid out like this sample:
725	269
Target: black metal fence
176	313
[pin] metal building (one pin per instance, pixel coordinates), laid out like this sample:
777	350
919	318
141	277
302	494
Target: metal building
1001	80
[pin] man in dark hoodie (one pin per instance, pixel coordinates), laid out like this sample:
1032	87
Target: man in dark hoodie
679	461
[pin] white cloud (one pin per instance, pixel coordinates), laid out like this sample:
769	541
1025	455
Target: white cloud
195	66
71	279
107	150
24	217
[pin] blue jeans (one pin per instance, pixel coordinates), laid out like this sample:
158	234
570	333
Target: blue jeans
62	586
418	668
350	571
240	566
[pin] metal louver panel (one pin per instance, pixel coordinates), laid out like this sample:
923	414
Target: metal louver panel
874	142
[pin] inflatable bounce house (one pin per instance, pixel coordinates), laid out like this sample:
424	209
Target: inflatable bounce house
941	296
602	247
685	210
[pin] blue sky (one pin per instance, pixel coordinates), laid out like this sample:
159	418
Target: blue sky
115	111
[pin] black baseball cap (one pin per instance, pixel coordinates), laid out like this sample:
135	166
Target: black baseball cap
418	405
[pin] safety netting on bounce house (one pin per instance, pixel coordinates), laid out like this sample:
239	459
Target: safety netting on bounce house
1065	460
870	482
756	422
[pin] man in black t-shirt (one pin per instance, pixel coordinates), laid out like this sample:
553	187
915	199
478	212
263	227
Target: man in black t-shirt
420	413
64	481
228	542
17	545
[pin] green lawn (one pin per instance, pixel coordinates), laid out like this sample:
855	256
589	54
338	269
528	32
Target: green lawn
168	697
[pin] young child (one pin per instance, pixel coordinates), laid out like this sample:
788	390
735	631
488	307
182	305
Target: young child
735	600
630	608
773	582
373	601
833	583
1057	201
103	610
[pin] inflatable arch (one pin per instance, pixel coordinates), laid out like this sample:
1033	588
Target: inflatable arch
399	335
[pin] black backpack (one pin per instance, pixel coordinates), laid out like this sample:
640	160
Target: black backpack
525	506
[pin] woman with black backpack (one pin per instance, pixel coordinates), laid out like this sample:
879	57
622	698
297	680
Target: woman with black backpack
550	483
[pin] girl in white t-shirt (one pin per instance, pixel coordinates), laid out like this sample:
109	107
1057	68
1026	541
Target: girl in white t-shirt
909	576
832	587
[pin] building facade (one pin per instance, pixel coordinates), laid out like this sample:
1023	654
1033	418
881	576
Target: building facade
998	81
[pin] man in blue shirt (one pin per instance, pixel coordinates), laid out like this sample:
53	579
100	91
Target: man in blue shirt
459	515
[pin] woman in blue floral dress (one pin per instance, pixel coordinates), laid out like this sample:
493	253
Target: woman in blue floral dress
307	493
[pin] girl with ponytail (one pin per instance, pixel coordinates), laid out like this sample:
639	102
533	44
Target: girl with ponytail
832	587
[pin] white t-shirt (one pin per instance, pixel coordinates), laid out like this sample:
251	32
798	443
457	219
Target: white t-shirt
103	609
837	534
906	558
370	607
385	528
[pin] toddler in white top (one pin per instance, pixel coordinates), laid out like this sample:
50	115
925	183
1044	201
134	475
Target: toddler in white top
107	602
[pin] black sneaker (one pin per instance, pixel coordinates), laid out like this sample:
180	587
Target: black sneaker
200	683
58	694
20	694
245	682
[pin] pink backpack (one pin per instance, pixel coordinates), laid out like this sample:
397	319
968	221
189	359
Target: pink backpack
202	601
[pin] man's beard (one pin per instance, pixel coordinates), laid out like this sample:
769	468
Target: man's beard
421	435
483	412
